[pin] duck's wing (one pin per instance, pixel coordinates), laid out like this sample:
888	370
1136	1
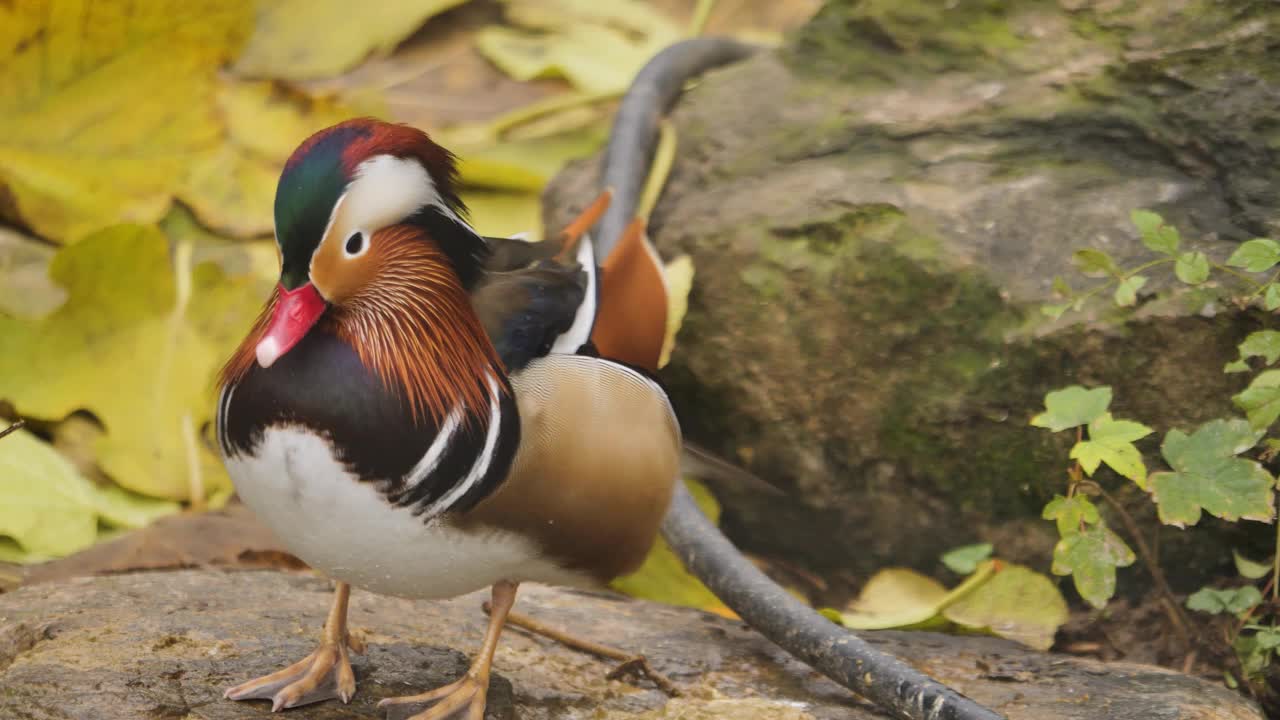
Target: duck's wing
533	311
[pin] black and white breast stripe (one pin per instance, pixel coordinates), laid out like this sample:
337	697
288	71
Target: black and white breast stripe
322	386
465	461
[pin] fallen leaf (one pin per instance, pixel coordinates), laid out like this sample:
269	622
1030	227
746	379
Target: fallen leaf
502	214
102	106
48	509
903	598
303	39
127	347
25	289
679	278
232	537
45	505
521	165
663	578
598	47
1017	603
232	187
895	598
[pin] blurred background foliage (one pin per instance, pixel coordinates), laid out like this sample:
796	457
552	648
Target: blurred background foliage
139	149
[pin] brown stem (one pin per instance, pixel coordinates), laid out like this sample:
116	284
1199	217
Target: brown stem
15	426
1171	606
630	662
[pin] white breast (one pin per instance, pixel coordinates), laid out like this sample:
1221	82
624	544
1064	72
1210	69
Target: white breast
346	529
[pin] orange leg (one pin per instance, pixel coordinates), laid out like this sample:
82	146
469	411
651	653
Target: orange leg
322	675
470	692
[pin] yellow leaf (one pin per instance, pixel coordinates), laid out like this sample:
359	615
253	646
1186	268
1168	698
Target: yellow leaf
505	214
304	39
48	509
103	104
679	277
232	191
45	505
270	120
25	289
136	346
522	165
232	188
597	46
899	597
1016	603
894	598
664	578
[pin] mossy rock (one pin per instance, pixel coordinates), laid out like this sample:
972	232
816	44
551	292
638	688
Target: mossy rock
877	212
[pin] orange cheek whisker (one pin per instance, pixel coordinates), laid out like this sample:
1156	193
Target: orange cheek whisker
413	326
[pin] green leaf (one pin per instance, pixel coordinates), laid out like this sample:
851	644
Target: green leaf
1264	344
1156	234
1261	400
1091	557
1249	568
1016	603
1271	297
1055	311
1072	406
1207	476
1111	441
1268	638
1127	289
1254	658
964	559
1236	601
1236	366
1192	268
1094	262
1060	286
1257	255
1072	513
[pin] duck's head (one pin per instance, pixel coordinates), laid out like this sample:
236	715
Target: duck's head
350	200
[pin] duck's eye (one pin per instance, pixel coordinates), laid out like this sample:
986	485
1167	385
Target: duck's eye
355	244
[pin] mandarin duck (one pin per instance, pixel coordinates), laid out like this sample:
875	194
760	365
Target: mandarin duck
413	418
423	411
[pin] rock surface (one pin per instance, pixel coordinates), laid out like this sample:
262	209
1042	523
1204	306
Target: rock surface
165	644
876	214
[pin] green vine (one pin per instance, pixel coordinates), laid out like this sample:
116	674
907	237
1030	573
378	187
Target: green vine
1216	468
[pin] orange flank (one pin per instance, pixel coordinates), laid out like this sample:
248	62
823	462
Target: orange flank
631	321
